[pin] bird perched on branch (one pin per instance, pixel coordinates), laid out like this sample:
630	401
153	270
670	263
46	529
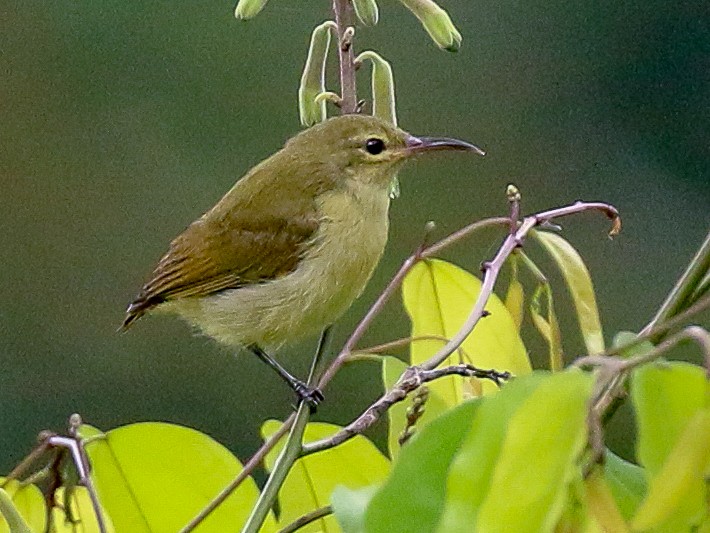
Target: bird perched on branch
288	249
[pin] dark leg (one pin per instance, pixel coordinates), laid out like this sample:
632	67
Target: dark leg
312	396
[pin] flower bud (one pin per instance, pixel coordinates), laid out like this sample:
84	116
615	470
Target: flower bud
383	103
313	78
367	11
247	9
436	22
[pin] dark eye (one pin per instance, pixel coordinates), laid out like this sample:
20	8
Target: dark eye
374	146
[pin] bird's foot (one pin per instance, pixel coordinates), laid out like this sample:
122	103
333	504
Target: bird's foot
311	395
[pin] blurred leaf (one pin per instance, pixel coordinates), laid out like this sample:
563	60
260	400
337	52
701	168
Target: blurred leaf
313	77
678	494
413	497
515	297
436	22
367	11
349	507
580	286
81	518
602	504
439	297
625	337
523	447
309	485
671	402
22	508
383	102
247	9
155	477
392	368
626	481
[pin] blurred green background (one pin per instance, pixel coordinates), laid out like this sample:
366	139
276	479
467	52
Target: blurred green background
122	121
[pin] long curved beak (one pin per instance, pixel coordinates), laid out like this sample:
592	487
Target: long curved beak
417	145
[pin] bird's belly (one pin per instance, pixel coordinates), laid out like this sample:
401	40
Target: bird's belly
331	275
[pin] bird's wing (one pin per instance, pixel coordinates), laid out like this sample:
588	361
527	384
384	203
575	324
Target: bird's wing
214	255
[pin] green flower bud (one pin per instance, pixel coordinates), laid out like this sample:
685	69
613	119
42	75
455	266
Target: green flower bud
383	103
313	78
247	9
367	11
436	22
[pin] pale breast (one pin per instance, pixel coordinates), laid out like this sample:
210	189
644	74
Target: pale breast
332	274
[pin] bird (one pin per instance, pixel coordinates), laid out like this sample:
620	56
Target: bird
292	244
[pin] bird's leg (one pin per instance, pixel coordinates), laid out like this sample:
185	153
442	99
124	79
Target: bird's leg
312	396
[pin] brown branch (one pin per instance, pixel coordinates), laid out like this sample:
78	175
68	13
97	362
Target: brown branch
343	11
315	514
409	381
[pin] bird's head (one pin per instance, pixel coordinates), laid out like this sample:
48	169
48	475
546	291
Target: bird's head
364	148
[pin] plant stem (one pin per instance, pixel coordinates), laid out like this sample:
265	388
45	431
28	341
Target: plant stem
678	299
291	451
343	11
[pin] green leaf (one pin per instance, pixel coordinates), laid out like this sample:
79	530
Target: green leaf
524	448
366	11
349	507
22	509
580	286
313	77
392	369
413	497
81	517
627	337
672	403
153	477
438	297
626	481
515	297
310	483
383	102
436	22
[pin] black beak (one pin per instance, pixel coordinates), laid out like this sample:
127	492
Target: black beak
416	145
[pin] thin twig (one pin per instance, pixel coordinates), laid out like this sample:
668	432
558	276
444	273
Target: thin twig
289	454
343	11
412	378
683	290
613	372
307	518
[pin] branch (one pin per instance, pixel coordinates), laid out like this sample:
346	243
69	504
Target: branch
343	11
612	375
307	518
409	381
682	293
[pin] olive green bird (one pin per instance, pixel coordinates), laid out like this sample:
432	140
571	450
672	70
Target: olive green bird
294	242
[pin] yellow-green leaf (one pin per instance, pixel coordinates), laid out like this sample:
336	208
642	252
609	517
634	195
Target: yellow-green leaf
436	22
366	11
514	471
515	297
413	497
22	508
153	477
247	9
680	487
383	102
356	463
312	84
580	286
81	517
672	404
438	297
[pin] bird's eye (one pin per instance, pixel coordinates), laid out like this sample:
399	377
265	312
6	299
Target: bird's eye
374	146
